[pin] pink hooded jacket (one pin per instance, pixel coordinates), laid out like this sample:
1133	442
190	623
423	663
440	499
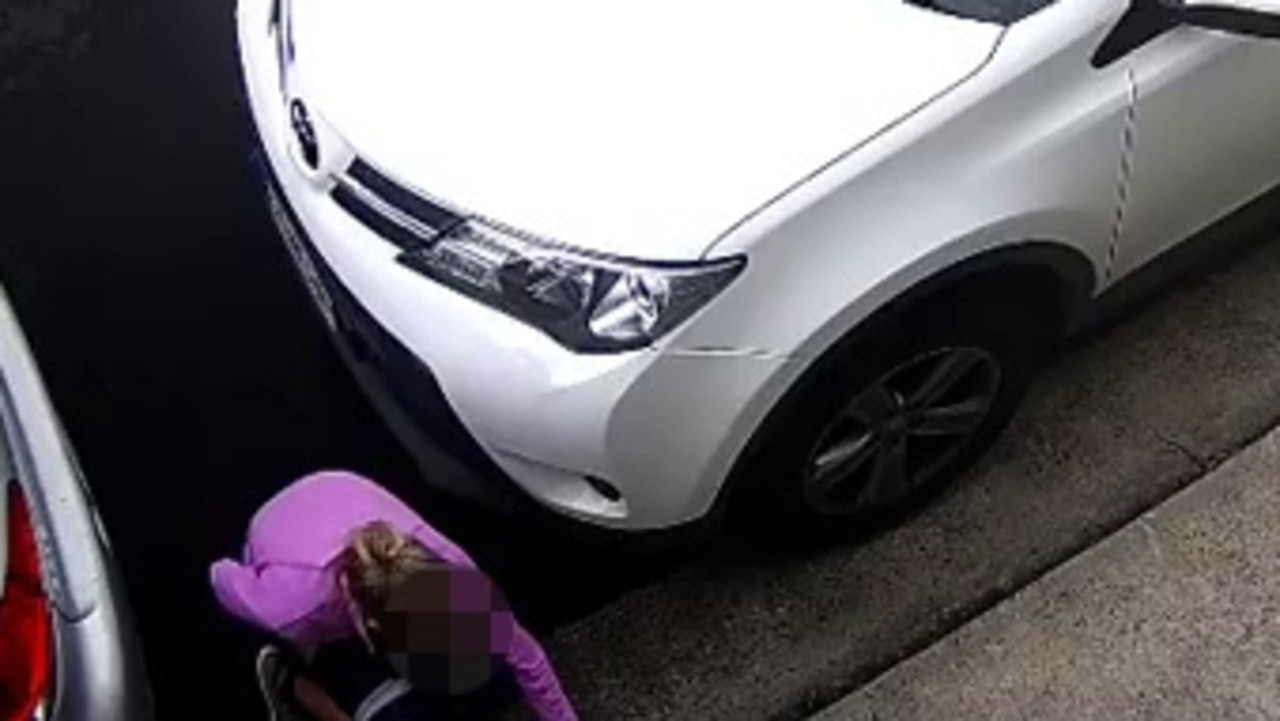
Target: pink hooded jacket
286	582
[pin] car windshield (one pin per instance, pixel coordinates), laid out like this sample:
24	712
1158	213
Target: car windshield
1004	12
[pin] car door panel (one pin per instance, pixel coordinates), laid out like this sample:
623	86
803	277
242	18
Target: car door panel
1207	136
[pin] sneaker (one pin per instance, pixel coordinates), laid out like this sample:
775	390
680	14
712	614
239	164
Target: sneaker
273	678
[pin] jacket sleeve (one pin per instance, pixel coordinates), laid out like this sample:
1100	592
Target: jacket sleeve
537	680
272	598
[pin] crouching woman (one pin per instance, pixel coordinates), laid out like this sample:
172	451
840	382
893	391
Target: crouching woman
378	615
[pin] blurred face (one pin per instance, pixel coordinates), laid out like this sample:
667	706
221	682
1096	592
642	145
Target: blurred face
446	630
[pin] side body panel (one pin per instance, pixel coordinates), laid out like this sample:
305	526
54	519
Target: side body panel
1207	136
100	672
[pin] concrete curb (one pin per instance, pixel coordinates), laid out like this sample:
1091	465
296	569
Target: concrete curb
1173	616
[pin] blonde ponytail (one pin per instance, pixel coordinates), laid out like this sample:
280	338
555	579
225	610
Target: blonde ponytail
379	559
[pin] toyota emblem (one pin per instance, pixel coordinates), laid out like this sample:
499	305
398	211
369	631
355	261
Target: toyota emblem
305	132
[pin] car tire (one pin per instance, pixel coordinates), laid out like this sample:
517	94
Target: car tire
854	411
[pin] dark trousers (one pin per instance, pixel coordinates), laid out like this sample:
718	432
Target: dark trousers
350	673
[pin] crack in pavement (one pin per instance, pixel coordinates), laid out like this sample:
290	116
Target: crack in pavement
1202	463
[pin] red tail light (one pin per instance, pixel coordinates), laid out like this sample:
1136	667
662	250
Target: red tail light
26	635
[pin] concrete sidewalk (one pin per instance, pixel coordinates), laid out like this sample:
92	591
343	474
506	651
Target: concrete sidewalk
1175	616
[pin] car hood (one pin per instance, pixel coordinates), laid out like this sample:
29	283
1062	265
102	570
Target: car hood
639	129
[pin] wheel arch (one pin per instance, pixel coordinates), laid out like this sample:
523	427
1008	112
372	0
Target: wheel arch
1064	276
1060	276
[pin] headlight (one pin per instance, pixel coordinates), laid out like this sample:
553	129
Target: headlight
588	303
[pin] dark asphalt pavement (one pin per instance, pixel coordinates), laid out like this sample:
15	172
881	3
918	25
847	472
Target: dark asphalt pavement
191	375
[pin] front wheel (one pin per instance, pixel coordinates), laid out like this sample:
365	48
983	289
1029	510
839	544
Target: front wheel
891	417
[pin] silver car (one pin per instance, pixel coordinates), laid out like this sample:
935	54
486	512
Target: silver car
67	646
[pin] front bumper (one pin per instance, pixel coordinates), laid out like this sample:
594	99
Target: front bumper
662	427
401	387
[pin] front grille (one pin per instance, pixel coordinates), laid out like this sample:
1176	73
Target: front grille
394	212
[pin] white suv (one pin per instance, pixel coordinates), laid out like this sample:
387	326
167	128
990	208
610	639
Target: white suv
644	258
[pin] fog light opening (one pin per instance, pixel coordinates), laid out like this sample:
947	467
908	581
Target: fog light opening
605	488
